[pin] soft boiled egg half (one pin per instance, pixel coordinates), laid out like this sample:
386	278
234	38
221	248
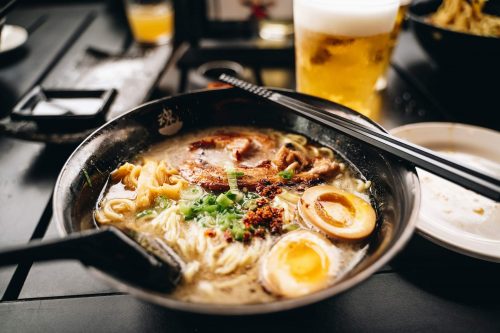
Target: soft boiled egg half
300	263
337	213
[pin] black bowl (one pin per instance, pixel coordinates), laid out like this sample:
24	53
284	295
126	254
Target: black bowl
396	190
453	49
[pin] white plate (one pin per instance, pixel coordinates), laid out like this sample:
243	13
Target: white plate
12	37
450	215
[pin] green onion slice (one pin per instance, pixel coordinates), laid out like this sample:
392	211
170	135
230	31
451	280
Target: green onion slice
144	213
232	179
193	192
286	174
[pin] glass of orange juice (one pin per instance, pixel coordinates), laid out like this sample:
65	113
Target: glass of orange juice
151	21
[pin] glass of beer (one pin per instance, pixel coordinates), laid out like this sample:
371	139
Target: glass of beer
151	21
340	48
403	8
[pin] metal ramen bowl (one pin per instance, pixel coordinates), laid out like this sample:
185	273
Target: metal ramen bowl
396	191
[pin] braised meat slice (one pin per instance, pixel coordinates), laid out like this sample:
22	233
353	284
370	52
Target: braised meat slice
215	177
239	144
287	157
257	157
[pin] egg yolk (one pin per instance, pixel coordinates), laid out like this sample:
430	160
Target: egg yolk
305	264
335	209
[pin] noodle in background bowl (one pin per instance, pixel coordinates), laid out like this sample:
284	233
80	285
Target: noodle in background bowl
395	188
455	50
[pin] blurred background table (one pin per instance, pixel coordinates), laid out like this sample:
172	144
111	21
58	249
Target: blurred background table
425	288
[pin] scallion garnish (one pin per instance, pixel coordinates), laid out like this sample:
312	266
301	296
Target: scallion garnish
192	193
87	177
232	179
290	227
144	213
162	202
224	201
224	211
286	174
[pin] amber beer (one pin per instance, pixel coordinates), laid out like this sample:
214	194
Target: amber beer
403	8
341	46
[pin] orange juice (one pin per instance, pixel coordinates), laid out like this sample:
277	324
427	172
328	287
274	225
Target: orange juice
151	24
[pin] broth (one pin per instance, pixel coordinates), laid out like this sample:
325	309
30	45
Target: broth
224	199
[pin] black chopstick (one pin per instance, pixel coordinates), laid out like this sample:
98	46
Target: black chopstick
307	108
404	144
419	156
7	8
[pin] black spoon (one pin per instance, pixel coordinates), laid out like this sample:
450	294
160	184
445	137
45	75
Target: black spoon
140	259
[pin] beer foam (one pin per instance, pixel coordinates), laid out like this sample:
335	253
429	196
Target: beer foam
353	18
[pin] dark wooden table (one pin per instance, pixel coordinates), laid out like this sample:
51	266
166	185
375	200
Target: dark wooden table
425	288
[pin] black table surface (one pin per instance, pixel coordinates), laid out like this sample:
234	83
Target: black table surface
425	288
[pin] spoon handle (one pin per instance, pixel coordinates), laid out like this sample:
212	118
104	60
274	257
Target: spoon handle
71	247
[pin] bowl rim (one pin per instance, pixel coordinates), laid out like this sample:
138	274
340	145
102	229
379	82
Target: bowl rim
244	309
418	18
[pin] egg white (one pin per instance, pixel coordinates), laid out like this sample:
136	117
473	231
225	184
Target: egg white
276	278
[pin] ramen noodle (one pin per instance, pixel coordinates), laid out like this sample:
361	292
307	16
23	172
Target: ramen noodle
237	206
466	16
